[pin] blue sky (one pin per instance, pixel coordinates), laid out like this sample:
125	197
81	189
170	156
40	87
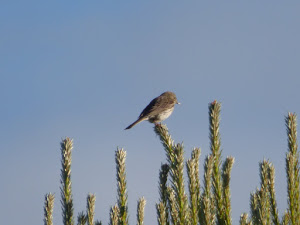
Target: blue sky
87	69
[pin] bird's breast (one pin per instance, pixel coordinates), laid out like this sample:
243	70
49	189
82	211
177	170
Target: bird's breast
161	116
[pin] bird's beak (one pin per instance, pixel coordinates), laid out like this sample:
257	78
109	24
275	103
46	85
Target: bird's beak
178	103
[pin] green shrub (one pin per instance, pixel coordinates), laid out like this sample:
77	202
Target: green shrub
207	205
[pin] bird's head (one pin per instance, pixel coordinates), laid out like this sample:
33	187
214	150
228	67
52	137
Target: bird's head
171	97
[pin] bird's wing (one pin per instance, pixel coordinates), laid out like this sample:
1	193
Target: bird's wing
156	106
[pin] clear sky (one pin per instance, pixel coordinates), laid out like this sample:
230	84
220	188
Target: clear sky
86	69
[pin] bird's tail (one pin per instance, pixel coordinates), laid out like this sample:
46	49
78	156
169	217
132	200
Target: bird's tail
135	123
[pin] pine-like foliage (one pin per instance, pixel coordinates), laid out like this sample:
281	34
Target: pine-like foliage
66	189
81	218
194	185
186	203
263	201
122	186
244	219
161	207
178	200
90	208
207	213
220	177
140	211
48	209
114	215
213	204
292	170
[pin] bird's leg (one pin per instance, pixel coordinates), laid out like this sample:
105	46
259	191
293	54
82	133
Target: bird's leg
157	124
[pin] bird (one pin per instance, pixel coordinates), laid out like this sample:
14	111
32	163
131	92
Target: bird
159	109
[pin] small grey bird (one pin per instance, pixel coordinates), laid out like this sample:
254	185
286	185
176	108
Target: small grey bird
158	109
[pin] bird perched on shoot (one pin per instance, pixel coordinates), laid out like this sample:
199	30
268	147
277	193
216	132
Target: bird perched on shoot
158	109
